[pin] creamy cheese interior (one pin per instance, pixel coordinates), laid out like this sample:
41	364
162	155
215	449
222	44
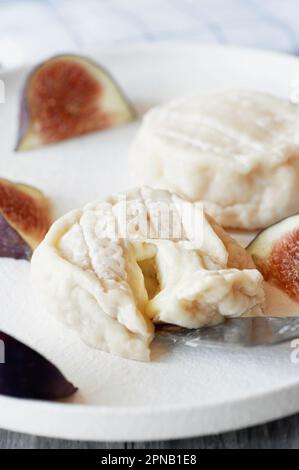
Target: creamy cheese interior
237	151
114	268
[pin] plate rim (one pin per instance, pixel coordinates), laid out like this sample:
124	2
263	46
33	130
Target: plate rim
199	46
100	413
128	421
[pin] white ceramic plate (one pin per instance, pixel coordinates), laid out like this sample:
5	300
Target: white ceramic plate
182	392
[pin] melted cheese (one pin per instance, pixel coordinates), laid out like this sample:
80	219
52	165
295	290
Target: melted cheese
114	268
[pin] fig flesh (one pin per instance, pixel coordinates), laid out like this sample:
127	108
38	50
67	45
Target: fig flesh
24	373
25	217
68	96
275	252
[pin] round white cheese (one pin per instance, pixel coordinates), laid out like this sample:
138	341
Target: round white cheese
237	151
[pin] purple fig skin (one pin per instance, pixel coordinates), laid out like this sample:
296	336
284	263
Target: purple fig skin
24	117
27	374
12	244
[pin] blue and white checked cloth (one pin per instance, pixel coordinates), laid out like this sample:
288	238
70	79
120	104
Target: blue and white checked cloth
33	29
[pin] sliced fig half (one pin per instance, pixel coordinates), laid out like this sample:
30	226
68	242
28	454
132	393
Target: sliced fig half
25	217
275	252
68	96
24	373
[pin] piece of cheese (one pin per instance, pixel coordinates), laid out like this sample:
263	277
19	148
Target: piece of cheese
115	267
237	151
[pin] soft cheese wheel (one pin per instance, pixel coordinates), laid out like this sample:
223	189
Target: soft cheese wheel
237	151
115	267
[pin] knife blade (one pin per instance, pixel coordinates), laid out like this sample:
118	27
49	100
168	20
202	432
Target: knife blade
257	331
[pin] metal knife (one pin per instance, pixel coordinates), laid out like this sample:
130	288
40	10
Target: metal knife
257	331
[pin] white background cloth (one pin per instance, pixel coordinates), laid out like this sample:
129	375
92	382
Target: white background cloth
34	29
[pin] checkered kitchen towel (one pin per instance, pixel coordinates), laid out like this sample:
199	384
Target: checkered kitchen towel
33	29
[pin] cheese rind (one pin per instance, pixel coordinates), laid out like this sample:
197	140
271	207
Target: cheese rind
237	151
114	268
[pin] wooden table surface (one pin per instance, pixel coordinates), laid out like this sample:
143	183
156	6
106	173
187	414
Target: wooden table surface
283	433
